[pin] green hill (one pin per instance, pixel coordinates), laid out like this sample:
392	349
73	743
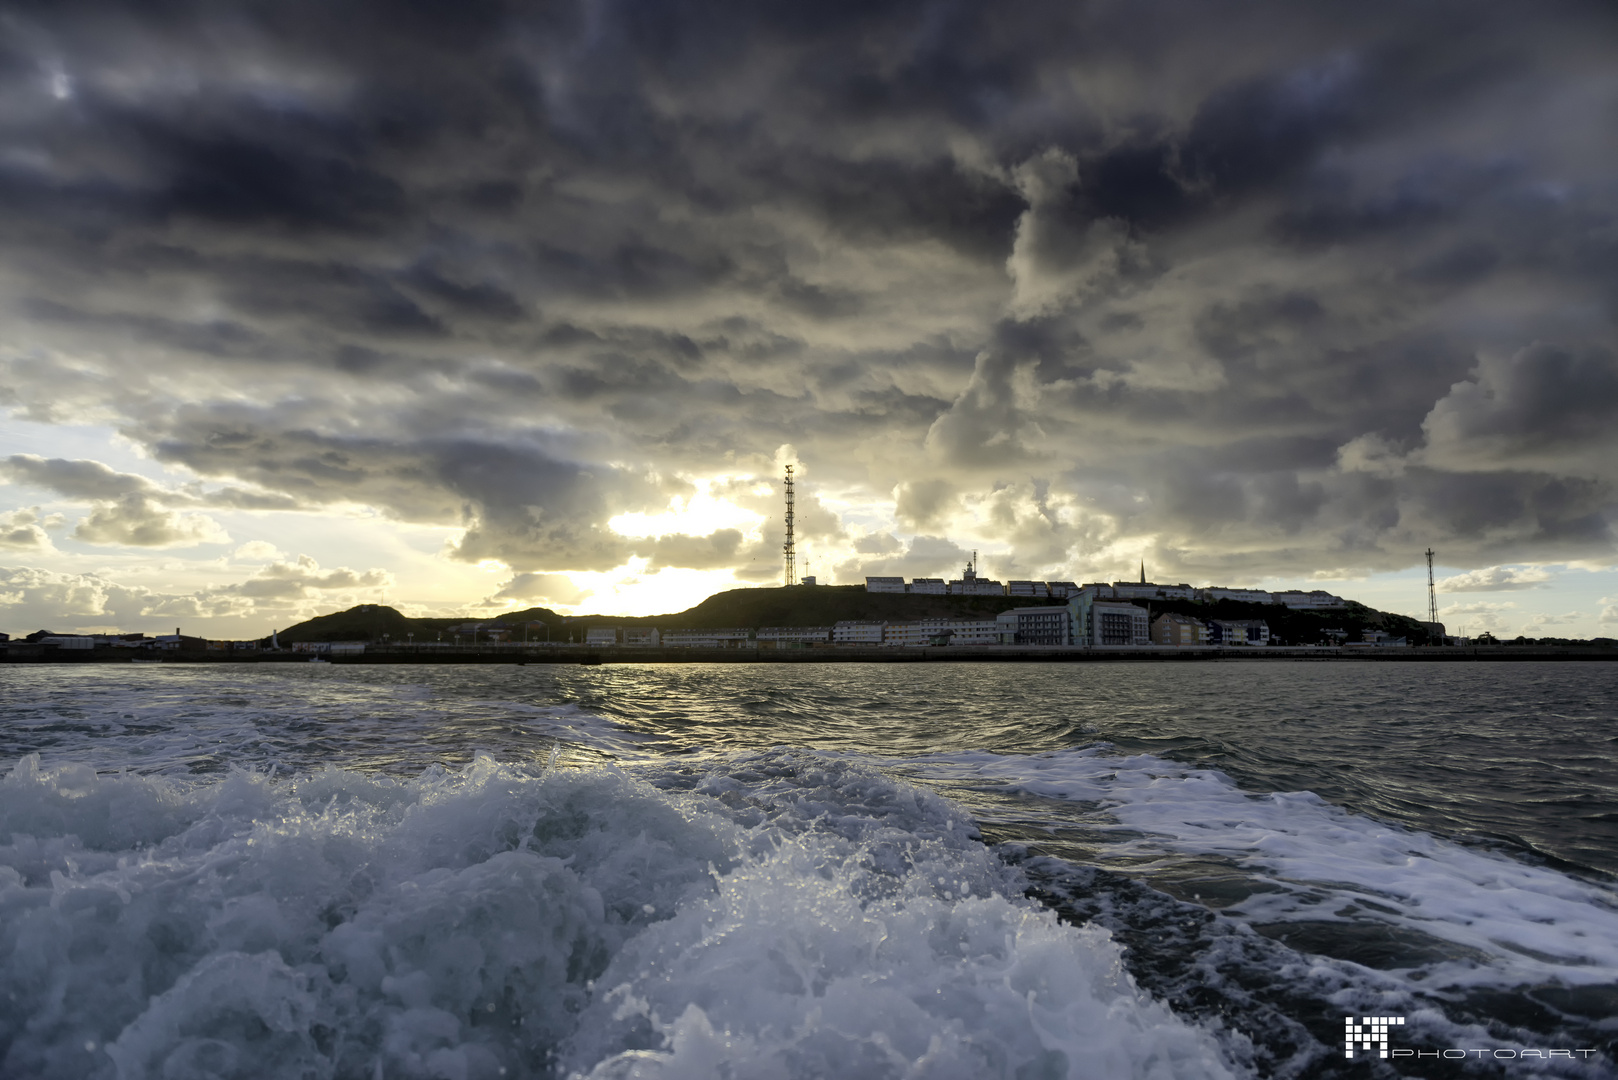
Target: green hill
804	605
372	622
823	605
800	605
1300	627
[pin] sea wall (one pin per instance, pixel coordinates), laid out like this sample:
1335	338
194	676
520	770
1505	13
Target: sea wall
575	654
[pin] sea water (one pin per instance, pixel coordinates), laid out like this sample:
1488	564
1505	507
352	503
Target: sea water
962	870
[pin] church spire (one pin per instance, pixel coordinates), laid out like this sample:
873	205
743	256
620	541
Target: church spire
1143	571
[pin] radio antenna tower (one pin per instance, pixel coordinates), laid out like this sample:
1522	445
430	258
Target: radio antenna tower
1432	591
790	548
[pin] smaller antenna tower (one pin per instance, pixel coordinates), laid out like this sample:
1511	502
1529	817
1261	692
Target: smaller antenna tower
1432	591
790	548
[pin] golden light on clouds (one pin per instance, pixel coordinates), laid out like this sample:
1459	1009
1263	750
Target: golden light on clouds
630	590
700	514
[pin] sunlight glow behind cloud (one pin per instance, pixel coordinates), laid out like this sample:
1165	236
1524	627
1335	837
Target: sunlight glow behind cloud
629	590
700	514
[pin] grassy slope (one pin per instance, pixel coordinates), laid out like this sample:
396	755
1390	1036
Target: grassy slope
821	605
369	622
802	605
1291	627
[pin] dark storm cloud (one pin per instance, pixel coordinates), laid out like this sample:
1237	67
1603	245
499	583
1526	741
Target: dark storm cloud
518	503
1543	405
1267	287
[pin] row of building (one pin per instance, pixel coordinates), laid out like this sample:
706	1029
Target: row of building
83	642
1099	614
969	584
1085	622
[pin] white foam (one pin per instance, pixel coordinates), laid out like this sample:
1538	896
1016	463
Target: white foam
1536	924
789	915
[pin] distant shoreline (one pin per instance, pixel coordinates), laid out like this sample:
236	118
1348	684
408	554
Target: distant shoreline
584	655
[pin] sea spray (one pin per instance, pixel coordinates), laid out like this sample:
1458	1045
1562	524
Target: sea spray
791	913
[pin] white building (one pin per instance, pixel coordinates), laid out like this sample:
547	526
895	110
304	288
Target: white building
885	584
1246	596
1060	590
729	638
1315	599
1117	623
1238	632
804	635
69	641
601	635
642	635
974	631
1382	639
1035	626
858	632
942	632
1149	590
1027	588
929	586
916	634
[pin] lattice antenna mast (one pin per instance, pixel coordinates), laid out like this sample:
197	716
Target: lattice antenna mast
790	548
1432	591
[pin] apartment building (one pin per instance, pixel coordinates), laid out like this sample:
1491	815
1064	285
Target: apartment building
1118	623
794	635
1174	629
1238	632
1035	626
727	638
857	632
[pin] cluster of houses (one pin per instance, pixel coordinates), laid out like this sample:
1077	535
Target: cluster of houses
969	584
1094	624
1098	615
1101	625
44	639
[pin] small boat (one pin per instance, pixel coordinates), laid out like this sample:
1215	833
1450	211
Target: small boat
318	660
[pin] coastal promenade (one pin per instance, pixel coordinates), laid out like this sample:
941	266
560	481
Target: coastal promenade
519	653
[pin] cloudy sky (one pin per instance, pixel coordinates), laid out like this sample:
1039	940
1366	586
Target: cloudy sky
465	305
